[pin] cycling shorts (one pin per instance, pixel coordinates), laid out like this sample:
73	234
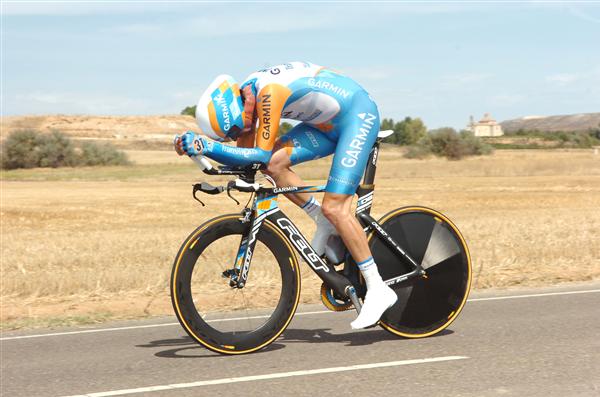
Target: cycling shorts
351	138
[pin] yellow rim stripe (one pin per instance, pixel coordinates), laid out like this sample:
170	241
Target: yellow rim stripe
464	244
293	259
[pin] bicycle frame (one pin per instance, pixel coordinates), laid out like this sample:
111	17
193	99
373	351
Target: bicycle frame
265	206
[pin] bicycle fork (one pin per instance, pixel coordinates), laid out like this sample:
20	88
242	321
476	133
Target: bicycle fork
239	274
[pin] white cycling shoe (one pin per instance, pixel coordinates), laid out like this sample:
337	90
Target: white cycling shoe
377	301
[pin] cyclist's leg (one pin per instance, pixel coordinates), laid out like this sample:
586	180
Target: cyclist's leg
305	143
302	143
357	134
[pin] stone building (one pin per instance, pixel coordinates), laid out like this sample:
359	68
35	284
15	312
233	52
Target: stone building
487	126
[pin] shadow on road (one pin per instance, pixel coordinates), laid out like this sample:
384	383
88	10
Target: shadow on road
186	347
190	349
354	338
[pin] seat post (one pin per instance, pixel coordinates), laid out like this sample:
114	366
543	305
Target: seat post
369	176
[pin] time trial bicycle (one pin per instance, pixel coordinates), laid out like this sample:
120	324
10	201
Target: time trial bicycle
235	283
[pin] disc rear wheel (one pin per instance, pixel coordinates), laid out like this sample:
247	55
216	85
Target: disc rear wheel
426	305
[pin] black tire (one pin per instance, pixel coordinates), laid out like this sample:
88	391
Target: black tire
426	305
197	298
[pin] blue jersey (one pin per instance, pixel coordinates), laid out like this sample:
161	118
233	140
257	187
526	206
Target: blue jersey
335	114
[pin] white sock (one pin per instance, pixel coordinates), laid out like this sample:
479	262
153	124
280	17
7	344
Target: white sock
369	271
312	208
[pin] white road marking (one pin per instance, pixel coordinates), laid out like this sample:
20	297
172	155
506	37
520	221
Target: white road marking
277	375
497	298
88	331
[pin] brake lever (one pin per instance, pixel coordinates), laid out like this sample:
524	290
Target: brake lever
230	184
194	191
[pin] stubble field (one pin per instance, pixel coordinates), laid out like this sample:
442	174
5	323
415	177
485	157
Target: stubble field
83	245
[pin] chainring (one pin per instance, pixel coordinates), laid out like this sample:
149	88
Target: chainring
332	303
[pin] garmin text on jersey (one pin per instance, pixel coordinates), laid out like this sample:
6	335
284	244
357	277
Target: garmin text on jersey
326	85
358	142
266	116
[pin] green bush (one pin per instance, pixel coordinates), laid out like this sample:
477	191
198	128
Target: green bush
595	132
101	154
30	149
406	132
566	139
475	146
189	111
56	150
448	143
581	140
19	150
419	151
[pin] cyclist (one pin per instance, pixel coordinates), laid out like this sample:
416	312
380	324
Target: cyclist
336	115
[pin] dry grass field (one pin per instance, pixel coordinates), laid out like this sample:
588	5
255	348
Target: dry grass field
83	245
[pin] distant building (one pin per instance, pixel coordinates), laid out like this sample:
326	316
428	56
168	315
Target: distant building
487	126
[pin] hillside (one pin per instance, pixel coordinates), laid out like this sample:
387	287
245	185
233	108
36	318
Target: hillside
571	122
125	131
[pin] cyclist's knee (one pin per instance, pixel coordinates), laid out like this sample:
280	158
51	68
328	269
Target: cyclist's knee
280	161
336	207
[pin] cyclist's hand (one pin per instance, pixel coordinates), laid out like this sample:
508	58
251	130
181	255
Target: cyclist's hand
192	144
178	145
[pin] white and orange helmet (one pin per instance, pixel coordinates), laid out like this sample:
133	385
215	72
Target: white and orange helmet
220	110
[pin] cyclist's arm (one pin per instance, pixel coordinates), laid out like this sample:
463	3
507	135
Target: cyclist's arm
269	103
231	155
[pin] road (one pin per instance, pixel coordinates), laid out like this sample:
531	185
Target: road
542	342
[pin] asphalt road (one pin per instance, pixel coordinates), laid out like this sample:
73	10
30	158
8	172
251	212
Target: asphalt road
543	342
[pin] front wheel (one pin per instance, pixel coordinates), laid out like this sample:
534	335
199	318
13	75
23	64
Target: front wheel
234	320
426	305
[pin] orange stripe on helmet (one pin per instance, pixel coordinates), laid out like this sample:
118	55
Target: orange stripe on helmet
214	123
236	90
224	86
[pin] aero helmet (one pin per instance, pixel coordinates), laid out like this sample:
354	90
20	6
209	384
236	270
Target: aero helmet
219	112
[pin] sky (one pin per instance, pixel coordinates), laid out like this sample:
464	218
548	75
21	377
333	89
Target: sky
440	61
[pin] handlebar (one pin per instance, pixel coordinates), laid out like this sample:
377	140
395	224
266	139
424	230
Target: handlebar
245	182
246	172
